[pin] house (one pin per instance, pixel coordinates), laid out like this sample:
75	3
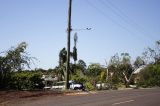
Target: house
136	73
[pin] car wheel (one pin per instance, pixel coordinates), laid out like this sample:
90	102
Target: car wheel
75	88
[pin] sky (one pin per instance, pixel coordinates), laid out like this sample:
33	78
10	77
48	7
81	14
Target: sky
117	26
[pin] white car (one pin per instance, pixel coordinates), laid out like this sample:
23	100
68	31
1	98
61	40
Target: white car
102	86
59	85
75	86
72	85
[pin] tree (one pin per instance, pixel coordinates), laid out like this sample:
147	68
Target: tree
150	76
94	72
126	67
103	75
75	48
138	62
82	65
15	59
121	68
26	80
114	68
62	63
62	56
94	69
74	54
77	71
152	55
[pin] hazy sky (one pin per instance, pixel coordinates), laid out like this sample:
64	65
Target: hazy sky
117	26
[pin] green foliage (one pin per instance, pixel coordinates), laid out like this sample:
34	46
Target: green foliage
62	56
15	59
89	86
121	68
94	74
139	62
103	75
75	48
82	66
152	55
116	78
94	70
150	76
26	80
76	76
88	79
125	64
74	54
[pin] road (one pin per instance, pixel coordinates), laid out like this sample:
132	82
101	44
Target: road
137	97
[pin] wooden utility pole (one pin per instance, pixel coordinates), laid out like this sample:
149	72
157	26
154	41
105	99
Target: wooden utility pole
68	45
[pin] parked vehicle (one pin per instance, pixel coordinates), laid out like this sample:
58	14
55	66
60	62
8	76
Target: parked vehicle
59	85
47	88
75	86
72	85
102	86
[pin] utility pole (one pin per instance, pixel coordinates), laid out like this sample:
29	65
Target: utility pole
68	45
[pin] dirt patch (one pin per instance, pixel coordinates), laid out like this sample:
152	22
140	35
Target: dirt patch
11	95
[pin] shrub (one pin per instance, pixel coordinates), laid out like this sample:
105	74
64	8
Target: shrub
26	80
150	76
89	86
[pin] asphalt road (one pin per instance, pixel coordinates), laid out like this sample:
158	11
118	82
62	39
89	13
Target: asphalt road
138	97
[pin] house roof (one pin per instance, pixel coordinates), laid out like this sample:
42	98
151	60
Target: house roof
138	70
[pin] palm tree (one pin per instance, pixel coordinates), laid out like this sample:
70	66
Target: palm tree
62	56
75	39
75	48
62	63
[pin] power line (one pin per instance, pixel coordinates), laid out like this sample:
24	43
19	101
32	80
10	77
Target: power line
126	18
108	17
123	17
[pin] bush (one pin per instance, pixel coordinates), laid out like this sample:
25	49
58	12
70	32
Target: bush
26	80
89	86
150	76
